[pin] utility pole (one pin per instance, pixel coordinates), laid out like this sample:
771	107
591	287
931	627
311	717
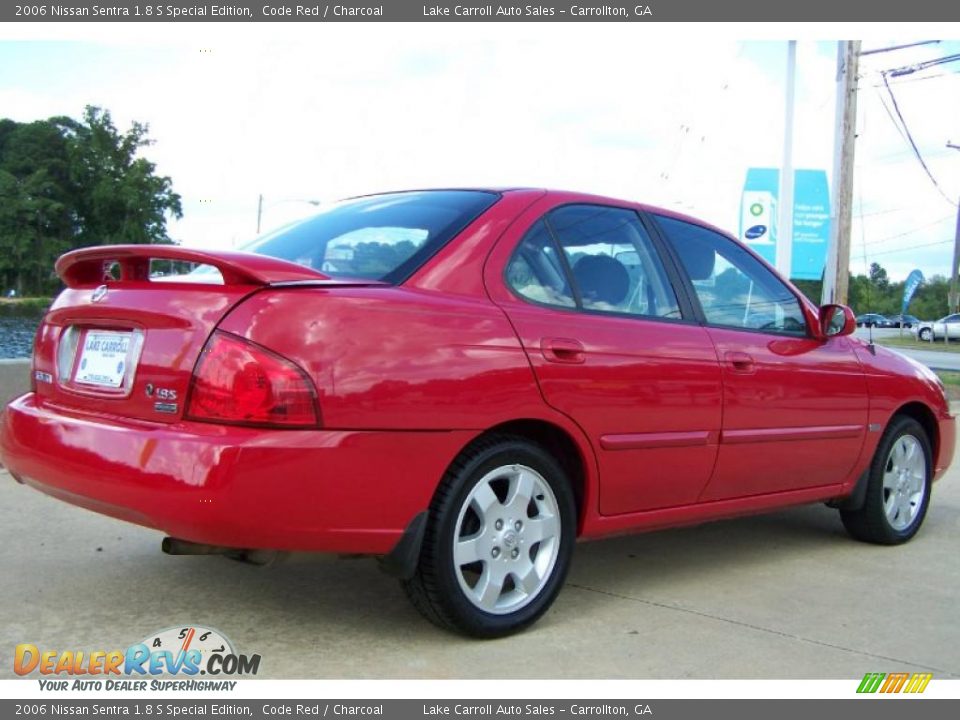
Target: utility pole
785	206
836	275
308	201
954	298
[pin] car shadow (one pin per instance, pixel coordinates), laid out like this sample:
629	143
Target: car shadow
351	596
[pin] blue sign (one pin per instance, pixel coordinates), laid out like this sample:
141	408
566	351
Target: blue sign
758	208
811	218
914	280
755	232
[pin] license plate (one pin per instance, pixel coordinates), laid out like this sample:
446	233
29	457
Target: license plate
103	358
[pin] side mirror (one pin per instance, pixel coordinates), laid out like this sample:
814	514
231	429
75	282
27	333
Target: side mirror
837	320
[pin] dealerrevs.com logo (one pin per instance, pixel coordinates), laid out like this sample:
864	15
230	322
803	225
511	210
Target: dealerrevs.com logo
187	651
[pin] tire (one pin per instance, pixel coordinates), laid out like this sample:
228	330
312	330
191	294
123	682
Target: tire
925	334
898	486
481	533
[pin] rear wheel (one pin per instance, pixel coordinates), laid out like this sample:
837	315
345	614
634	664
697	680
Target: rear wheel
926	334
498	541
898	487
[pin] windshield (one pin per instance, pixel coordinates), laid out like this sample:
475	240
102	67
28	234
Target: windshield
381	237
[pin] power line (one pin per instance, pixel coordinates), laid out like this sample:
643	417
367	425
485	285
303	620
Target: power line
909	138
863	53
890	115
910	232
885	211
909	249
925	65
897	157
863	238
902	81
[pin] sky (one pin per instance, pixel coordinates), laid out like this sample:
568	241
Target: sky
320	112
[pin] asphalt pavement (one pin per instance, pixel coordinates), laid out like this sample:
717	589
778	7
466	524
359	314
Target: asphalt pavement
934	359
786	595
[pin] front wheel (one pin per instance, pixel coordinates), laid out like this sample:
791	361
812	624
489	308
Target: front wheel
498	542
898	487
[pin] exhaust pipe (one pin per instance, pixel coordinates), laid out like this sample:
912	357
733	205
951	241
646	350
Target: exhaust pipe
175	546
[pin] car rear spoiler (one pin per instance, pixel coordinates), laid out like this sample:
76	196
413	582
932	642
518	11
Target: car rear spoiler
93	265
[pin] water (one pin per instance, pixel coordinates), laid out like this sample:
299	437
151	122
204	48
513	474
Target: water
16	335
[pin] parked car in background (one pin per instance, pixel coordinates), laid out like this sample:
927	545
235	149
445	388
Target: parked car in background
906	321
873	320
945	327
476	380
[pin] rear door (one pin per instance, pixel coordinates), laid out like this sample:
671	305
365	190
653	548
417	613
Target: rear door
795	407
613	347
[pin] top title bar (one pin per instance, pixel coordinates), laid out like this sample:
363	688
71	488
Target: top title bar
447	11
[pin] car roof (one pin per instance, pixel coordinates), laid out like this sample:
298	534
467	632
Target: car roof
565	195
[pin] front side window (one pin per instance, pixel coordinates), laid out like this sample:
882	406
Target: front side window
608	263
733	287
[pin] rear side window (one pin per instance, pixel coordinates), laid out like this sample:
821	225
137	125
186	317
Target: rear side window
733	287
382	237
613	262
536	272
593	257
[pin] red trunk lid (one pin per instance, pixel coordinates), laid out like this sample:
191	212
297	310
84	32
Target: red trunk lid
127	345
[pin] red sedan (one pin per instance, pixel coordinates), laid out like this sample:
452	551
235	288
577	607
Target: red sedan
465	382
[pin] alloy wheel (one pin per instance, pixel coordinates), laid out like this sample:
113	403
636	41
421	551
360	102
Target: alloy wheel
507	539
904	482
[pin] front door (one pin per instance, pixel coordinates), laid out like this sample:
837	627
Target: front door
795	407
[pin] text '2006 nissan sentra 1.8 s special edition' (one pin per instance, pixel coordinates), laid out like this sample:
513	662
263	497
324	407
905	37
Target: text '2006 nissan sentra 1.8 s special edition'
464	382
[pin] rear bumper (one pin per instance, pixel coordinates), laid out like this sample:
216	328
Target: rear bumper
321	490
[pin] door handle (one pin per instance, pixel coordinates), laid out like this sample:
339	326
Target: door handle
562	350
739	362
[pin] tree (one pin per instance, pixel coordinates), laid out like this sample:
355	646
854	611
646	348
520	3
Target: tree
124	201
66	184
875	293
35	220
878	276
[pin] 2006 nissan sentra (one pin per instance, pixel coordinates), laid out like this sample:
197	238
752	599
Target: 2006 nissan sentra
464	382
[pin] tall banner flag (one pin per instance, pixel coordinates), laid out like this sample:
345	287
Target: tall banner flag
914	280
811	219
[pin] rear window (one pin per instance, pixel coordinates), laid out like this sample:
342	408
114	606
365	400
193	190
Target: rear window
382	237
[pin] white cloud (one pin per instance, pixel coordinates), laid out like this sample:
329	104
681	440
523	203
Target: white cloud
326	111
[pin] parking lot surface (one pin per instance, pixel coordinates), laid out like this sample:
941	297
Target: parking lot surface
786	595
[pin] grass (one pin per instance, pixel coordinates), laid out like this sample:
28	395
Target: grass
33	307
910	341
951	381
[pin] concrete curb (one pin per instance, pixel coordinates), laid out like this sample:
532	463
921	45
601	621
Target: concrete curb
14	378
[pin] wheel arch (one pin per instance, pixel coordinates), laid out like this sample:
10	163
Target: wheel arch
562	445
928	421
574	457
915	410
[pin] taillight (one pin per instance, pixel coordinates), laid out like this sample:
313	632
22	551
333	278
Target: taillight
66	352
238	382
